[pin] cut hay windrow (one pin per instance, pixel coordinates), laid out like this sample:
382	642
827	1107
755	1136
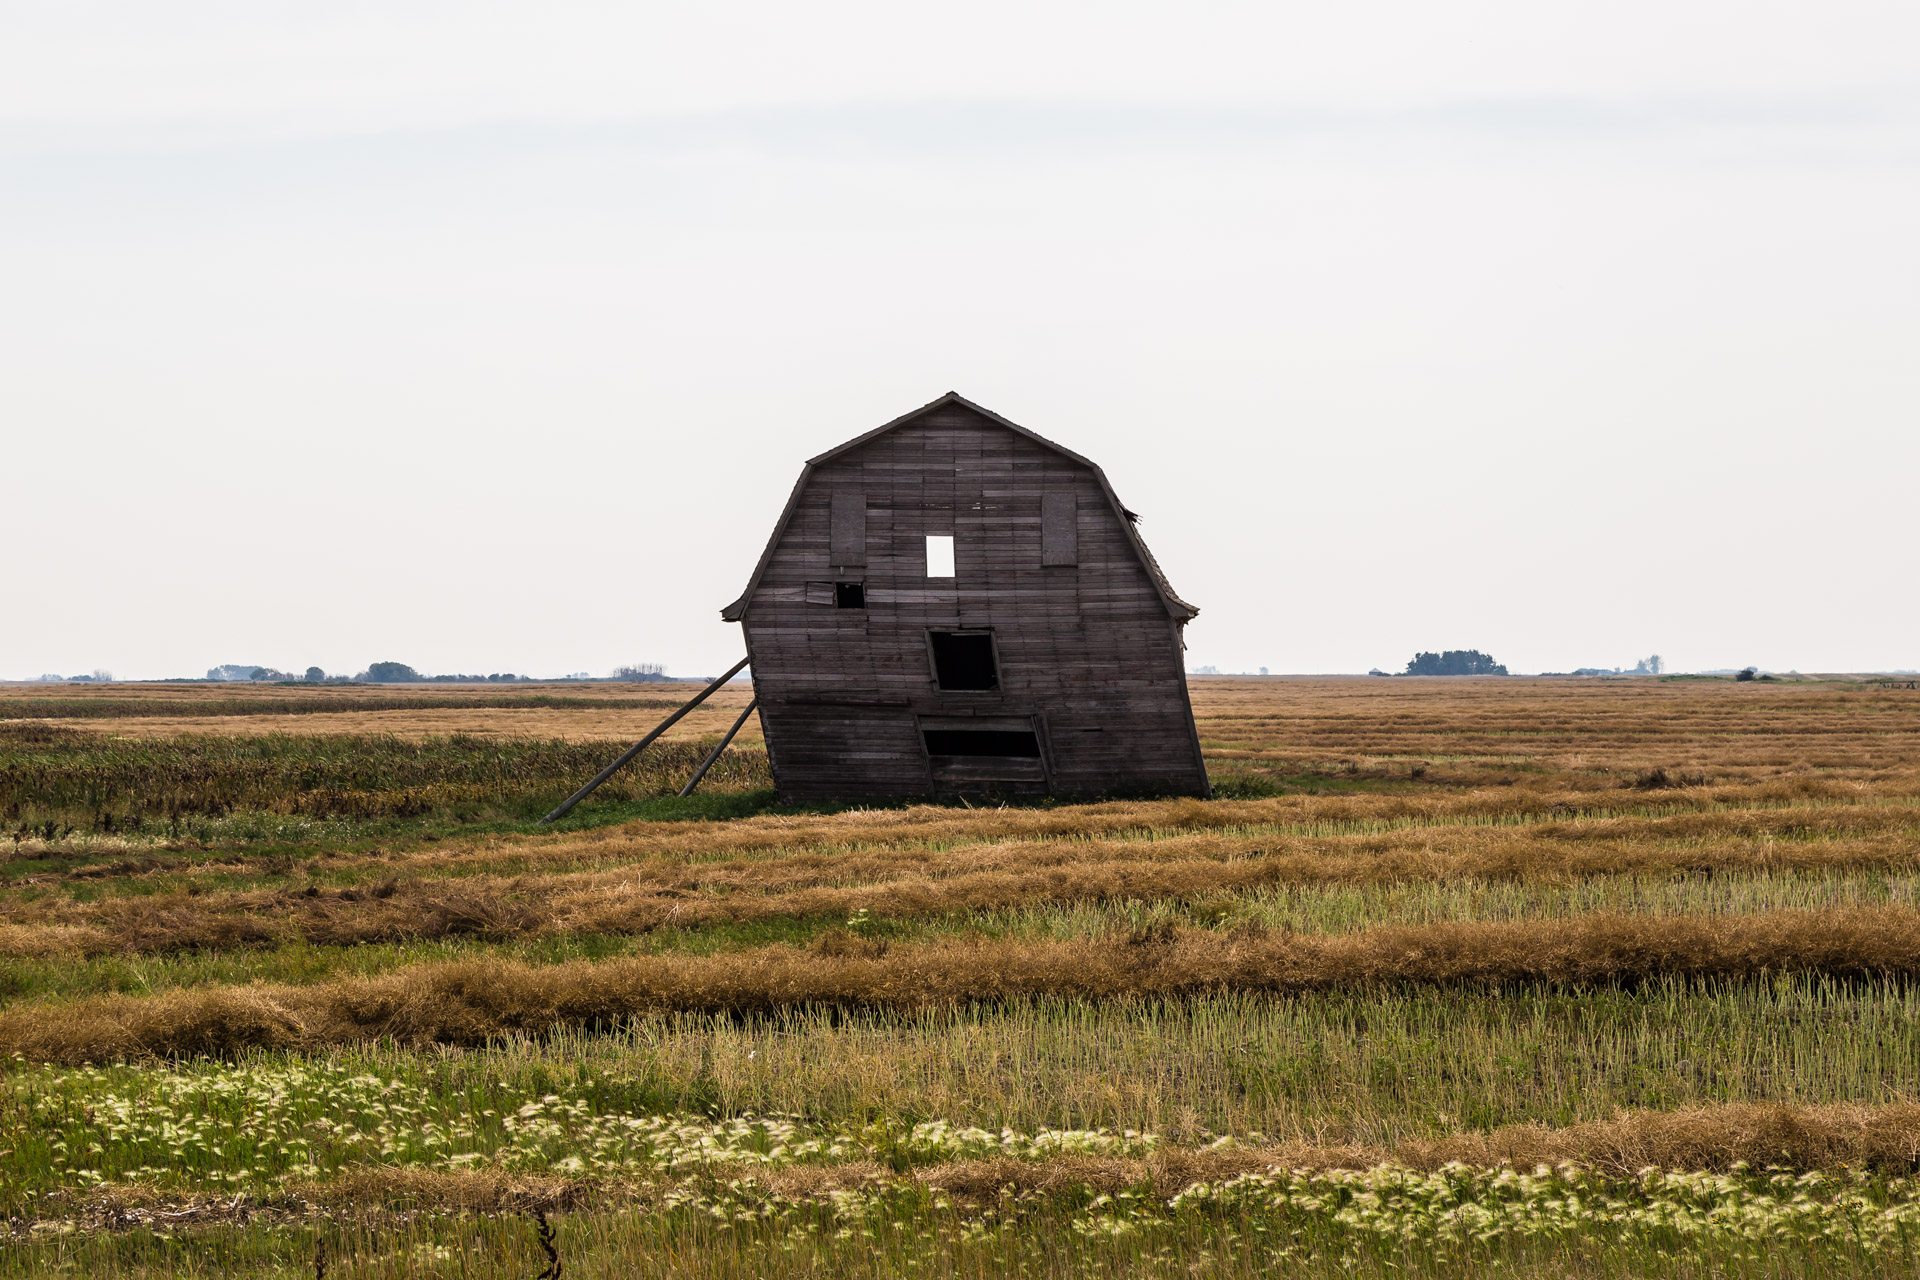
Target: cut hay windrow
472	1001
921	883
1445	823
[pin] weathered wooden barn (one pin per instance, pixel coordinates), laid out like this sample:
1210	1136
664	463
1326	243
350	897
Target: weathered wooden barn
952	604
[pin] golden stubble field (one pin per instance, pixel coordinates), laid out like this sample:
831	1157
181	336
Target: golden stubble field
592	712
1562	724
1428	929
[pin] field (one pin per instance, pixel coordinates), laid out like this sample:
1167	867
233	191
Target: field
1554	977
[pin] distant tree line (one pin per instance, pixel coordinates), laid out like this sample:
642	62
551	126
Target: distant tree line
398	673
1454	662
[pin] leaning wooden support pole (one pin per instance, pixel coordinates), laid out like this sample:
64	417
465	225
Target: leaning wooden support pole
641	745
720	746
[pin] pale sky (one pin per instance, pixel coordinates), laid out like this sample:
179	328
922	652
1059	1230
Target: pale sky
492	337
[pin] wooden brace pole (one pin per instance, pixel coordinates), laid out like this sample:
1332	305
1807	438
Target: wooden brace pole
720	746
567	806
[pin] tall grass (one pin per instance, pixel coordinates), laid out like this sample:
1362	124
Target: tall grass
1373	1067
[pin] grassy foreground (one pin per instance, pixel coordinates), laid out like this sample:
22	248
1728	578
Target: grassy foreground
1588	978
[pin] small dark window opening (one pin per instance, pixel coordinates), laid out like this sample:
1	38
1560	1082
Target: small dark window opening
849	595
963	660
983	742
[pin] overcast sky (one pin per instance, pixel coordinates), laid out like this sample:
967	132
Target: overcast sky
491	337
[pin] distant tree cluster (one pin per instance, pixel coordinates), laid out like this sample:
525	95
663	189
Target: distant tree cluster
1454	662
401	673
261	674
246	671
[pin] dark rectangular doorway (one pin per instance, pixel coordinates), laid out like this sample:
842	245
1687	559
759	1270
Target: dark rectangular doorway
964	661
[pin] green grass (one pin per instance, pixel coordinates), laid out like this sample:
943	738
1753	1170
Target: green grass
271	1134
279	792
920	1234
133	784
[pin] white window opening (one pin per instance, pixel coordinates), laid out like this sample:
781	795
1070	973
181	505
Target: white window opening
939	555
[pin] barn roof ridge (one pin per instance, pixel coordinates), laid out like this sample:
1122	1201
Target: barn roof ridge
952	397
1180	609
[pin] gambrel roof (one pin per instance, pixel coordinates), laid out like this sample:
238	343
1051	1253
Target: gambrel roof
1180	610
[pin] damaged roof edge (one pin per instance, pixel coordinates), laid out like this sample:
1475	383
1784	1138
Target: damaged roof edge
738	609
1182	611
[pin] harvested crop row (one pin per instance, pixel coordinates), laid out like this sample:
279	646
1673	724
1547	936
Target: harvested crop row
1564	847
1720	807
469	1002
893	885
1792	807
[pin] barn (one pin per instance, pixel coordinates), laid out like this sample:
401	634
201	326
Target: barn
951	604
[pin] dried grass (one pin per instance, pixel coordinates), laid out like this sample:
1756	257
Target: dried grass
577	713
1779	808
1607	731
1829	1137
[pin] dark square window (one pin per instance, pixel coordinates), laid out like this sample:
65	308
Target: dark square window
1017	743
963	660
849	595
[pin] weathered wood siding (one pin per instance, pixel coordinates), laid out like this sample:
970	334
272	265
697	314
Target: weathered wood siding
1086	647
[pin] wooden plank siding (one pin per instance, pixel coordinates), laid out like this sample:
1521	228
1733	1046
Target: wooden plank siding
1089	649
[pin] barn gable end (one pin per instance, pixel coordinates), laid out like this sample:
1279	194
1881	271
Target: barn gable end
1050	661
1176	607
